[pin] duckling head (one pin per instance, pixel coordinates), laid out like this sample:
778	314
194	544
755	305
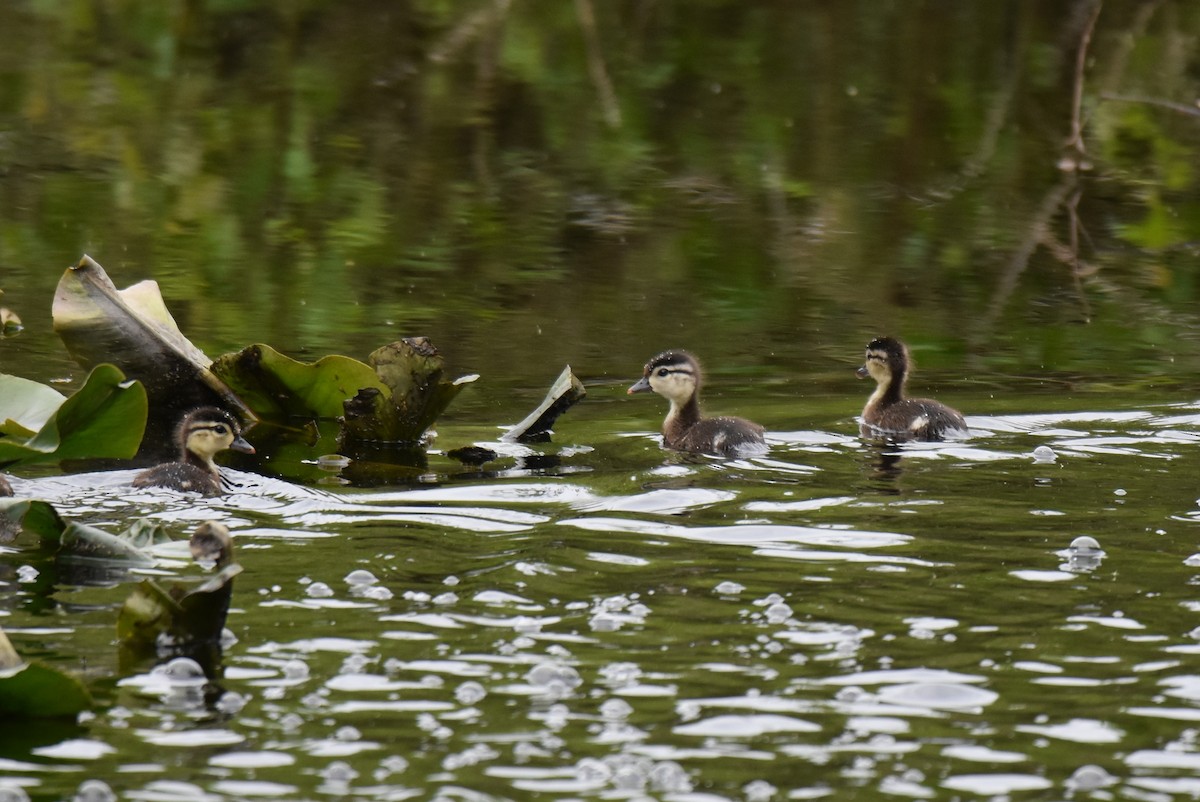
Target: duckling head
675	375
211	544
207	431
887	361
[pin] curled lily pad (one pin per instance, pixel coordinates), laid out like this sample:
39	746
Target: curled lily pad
35	690
566	391
415	394
278	386
133	329
104	418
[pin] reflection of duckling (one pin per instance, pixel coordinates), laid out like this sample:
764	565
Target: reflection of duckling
888	413
212	543
675	375
5	487
202	434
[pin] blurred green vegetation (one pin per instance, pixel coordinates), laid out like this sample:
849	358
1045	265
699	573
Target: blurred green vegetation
770	184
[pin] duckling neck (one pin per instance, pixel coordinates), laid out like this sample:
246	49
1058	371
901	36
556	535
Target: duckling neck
681	417
889	392
206	464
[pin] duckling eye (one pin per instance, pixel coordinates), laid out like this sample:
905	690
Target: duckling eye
220	429
663	371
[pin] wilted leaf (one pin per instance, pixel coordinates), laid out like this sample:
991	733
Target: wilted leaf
194	615
9	320
38	517
72	538
566	391
186	612
133	329
104	418
277	386
33	690
414	396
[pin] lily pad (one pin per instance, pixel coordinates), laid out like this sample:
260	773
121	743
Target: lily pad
104	418
277	386
35	690
133	329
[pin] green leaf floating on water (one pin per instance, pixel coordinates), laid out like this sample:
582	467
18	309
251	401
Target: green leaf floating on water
105	418
133	329
34	690
277	386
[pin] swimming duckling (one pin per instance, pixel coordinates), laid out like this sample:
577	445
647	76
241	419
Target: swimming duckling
202	434
675	375
888	413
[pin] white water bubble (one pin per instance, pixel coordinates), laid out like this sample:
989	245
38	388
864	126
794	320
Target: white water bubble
669	777
553	677
1089	778
470	693
615	710
778	613
360	576
291	722
13	793
348	733
339	771
1044	455
231	703
759	791
621	674
389	766
446	598
27	574
372	592
592	771
295	670
181	672
94	791
318	590
729	588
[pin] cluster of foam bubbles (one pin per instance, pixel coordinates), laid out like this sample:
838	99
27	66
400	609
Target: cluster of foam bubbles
552	679
614	612
628	774
364	585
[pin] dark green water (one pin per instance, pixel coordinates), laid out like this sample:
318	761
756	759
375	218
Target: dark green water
533	184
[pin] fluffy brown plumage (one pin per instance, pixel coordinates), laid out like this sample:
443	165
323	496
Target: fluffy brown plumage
675	375
888	413
202	434
5	487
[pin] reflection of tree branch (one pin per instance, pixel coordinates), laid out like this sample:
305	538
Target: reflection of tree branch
595	60
1075	140
1038	232
466	30
1182	108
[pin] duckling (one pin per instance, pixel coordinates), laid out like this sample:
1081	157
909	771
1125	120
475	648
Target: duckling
5	487
202	434
675	375
888	413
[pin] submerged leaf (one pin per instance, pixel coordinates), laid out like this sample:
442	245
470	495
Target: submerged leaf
104	418
566	391
75	539
278	386
34	690
133	329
